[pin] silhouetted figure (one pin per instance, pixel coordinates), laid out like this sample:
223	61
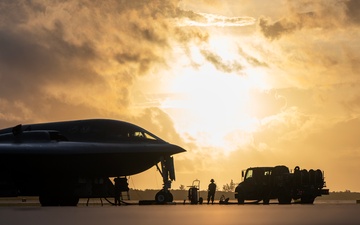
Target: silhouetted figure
117	191
211	192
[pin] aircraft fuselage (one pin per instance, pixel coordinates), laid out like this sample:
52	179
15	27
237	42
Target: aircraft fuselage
34	155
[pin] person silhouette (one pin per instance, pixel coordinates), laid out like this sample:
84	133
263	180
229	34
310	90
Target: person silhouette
117	191
211	192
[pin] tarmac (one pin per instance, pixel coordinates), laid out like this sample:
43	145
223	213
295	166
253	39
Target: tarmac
180	214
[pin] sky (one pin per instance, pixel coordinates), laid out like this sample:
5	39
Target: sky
237	83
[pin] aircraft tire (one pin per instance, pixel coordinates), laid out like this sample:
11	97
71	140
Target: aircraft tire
69	201
162	197
46	200
170	197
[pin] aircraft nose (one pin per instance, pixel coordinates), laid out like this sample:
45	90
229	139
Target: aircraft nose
177	149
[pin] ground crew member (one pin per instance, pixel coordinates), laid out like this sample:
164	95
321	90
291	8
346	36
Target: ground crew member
211	192
117	191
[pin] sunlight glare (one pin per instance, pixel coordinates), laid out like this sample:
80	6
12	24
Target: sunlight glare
214	104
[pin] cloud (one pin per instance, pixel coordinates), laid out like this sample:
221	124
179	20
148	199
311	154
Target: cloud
313	43
27	64
332	143
329	15
82	59
155	119
219	63
353	11
84	54
275	30
190	18
251	59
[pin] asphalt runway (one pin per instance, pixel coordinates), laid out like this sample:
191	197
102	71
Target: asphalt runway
335	213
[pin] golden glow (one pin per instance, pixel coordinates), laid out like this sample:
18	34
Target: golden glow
215	105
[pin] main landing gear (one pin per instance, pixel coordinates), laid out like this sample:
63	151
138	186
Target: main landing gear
168	174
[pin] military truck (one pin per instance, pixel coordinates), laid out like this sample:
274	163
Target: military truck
266	183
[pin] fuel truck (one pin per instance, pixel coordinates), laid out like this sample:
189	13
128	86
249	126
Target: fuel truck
266	183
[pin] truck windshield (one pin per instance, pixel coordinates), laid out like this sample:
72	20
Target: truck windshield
249	174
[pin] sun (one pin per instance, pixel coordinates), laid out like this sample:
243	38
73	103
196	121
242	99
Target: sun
213	106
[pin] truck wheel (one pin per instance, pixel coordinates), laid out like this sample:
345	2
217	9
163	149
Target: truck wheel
241	201
239	194
266	201
284	197
284	200
240	198
307	200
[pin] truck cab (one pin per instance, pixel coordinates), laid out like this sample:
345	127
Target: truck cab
258	183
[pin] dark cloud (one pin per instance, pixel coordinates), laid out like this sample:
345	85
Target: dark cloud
328	15
251	59
218	62
27	64
144	60
82	53
274	30
353	10
147	34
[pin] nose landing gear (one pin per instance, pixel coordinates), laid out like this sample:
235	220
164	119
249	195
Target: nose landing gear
168	174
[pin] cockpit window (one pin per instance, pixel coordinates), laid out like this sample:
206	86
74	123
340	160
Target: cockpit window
142	135
135	135
149	136
112	132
